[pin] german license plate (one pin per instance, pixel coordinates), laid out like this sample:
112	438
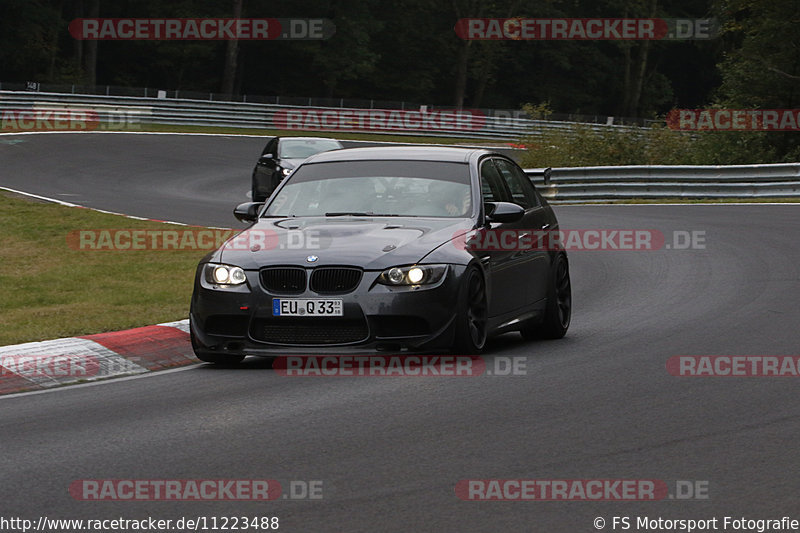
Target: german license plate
298	307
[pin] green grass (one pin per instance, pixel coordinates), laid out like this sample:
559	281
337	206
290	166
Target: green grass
51	290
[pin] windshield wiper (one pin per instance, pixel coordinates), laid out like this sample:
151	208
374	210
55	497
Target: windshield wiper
349	213
360	214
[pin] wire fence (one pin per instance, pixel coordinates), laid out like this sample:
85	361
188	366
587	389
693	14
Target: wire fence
129	112
296	101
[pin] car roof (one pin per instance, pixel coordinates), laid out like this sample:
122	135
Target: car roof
405	153
290	138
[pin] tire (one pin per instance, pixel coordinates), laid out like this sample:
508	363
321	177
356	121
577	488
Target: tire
558	310
473	314
222	359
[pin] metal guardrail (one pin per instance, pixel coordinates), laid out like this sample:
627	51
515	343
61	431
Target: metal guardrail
583	184
122	110
598	184
307	101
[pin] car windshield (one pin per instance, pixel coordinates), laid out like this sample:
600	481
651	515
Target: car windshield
387	188
302	148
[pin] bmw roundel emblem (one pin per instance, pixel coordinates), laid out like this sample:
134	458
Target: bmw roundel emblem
312	258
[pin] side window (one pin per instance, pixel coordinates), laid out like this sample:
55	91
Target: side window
271	147
491	183
528	186
518	183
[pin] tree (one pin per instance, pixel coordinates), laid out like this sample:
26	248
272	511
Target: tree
636	63
761	69
29	39
231	55
762	65
90	58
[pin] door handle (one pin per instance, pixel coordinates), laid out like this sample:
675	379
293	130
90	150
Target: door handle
546	226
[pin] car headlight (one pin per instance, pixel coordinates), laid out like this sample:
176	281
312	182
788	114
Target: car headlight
224	274
286	171
412	275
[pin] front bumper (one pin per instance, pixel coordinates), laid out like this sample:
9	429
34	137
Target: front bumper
239	321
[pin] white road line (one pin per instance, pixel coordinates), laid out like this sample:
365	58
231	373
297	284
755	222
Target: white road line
99	382
70	204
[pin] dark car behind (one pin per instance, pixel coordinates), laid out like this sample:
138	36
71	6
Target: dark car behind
280	156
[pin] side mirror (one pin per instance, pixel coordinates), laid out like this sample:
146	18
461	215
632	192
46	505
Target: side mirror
547	173
265	157
248	211
503	212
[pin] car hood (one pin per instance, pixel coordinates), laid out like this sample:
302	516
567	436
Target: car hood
373	243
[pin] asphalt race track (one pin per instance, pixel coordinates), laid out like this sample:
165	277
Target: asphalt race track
181	178
598	404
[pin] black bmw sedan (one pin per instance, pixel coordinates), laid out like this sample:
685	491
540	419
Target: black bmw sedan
280	156
385	249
